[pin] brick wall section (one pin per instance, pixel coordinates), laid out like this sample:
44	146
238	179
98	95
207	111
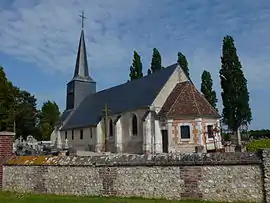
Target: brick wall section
191	176
6	150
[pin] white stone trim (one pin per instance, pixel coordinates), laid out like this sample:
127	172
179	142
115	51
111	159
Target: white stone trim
99	138
190	129
118	136
206	124
169	129
158	137
147	132
200	131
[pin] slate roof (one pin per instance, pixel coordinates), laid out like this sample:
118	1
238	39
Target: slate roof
81	72
186	101
64	116
129	96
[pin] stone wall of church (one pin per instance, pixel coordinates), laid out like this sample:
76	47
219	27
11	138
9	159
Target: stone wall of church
215	176
85	142
198	135
130	143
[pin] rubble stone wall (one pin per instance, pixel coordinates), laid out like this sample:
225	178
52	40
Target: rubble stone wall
217	176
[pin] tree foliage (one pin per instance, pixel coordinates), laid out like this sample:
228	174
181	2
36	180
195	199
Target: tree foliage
235	95
26	114
182	61
19	113
207	88
136	67
156	63
49	116
7	103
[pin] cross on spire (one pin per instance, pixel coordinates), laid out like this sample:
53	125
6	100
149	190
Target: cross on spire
83	17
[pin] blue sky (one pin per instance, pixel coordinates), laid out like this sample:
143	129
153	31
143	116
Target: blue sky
39	40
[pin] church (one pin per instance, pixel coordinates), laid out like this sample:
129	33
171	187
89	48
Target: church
159	113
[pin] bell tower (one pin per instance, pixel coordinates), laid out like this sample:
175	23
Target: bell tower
81	84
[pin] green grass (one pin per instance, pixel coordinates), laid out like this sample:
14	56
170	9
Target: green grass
7	197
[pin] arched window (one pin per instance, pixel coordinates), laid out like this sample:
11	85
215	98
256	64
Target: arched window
111	128
134	125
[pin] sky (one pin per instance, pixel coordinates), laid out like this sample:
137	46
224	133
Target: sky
39	41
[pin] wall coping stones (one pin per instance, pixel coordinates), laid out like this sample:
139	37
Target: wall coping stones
6	133
170	159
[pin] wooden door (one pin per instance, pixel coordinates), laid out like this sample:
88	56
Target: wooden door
165	141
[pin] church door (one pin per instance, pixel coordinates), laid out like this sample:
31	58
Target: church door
165	141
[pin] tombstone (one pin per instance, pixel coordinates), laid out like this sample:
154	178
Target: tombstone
66	144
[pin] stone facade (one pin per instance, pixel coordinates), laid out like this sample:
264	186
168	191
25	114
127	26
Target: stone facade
198	135
216	176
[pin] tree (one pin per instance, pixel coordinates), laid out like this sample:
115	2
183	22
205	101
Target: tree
206	88
49	116
182	61
6	103
136	68
156	62
26	114
235	96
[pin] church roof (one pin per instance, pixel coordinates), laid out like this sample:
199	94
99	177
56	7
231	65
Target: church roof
186	101
139	93
81	72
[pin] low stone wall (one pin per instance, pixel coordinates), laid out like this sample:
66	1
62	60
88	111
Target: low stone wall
217	176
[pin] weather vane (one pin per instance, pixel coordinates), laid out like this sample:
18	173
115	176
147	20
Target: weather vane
83	17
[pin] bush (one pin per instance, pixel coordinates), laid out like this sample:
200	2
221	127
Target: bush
256	145
259	134
226	136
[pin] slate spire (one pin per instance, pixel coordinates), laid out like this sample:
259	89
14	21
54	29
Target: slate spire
81	68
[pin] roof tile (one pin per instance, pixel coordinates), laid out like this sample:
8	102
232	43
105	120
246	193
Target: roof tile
186	100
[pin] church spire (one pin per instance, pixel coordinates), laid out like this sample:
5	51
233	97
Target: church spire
81	84
81	69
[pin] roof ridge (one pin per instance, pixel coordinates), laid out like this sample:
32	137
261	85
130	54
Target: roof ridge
138	79
176	97
194	98
208	103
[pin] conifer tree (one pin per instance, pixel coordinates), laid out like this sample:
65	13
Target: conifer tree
182	61
136	67
156	63
207	88
235	95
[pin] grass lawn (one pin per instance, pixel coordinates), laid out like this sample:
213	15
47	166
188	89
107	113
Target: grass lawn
6	197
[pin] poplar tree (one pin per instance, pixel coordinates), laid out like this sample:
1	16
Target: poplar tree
136	67
156	63
182	61
207	88
235	96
